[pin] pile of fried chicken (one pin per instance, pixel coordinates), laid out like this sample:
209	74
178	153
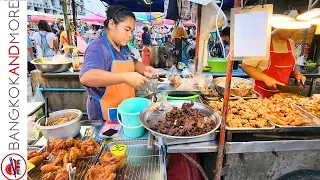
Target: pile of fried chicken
256	113
105	170
65	152
186	121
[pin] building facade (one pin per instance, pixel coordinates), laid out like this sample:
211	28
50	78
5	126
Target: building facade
54	6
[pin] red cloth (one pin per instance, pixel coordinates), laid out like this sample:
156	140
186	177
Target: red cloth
280	68
180	168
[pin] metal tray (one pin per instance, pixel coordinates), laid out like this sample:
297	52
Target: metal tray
232	97
145	114
171	90
141	163
83	165
307	115
250	129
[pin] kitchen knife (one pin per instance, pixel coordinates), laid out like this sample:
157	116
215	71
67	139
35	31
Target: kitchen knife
289	89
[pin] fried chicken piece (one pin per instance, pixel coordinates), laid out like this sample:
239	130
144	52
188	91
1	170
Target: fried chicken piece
50	168
70	142
107	158
49	176
60	156
49	146
38	159
33	154
74	154
112	176
77	143
99	172
62	175
59	143
301	123
66	159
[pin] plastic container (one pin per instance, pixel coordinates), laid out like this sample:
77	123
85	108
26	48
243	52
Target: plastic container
218	65
129	110
192	98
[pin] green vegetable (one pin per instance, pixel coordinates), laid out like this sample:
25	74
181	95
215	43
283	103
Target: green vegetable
310	63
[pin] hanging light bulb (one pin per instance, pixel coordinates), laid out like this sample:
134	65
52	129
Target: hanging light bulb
280	18
309	14
291	24
179	31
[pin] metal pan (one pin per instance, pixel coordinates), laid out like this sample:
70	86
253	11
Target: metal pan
144	116
172	91
307	115
140	162
250	129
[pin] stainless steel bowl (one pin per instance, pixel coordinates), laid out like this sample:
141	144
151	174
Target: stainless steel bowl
65	130
147	121
51	67
233	92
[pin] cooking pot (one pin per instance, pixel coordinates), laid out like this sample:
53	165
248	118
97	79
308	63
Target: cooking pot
65	130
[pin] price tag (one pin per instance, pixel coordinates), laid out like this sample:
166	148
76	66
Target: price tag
118	149
30	166
88	133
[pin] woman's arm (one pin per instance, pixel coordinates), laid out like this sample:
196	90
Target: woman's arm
260	76
297	74
101	78
140	68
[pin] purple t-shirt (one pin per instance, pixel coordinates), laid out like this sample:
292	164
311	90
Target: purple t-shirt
98	56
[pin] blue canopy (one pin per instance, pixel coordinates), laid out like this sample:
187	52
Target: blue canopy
156	6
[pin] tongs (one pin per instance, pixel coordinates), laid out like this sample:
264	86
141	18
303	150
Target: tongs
71	171
46	111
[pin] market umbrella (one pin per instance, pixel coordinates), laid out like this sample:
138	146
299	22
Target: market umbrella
144	16
95	18
46	18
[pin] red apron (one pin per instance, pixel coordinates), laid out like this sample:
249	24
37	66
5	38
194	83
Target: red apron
115	94
280	68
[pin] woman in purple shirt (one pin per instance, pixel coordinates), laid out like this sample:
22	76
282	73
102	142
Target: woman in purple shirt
109	72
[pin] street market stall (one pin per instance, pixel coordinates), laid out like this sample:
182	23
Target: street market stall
218	115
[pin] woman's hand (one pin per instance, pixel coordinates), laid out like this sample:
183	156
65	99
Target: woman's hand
150	72
300	78
134	79
271	82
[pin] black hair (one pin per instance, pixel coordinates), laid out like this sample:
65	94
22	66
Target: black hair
118	14
44	26
145	29
225	32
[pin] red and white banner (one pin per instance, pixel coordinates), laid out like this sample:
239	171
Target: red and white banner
13	91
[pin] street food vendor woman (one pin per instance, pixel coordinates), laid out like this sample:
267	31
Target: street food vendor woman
280	66
109	72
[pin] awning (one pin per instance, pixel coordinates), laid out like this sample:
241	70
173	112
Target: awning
38	18
95	18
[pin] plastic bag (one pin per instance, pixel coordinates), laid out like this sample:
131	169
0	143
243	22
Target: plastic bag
149	87
180	168
173	71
